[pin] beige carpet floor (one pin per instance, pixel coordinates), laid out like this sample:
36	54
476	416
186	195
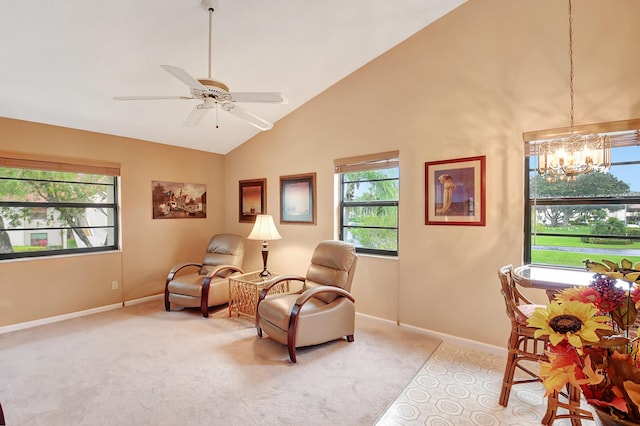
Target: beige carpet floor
140	365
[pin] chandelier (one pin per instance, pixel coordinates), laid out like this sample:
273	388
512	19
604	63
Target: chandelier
567	157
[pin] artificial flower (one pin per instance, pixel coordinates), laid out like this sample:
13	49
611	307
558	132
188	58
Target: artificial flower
570	294
586	350
611	296
635	296
574	321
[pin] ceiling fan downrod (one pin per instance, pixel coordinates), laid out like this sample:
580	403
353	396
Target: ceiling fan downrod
210	6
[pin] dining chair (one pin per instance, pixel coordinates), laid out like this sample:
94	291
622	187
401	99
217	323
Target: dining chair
522	346
570	402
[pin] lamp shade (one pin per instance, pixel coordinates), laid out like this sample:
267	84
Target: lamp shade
264	229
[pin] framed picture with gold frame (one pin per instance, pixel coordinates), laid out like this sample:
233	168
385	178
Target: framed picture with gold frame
253	199
298	199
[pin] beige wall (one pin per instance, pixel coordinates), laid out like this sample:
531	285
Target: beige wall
32	289
468	85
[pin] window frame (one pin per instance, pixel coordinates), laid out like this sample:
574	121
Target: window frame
379	161
623	133
532	201
26	162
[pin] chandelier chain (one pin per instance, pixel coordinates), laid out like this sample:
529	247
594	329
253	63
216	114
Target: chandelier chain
567	157
571	125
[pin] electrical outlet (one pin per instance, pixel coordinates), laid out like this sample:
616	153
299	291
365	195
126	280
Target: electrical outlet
114	285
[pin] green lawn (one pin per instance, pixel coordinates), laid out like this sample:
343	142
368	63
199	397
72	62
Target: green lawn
555	257
545	240
558	257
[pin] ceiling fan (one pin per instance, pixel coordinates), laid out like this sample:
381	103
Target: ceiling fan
215	93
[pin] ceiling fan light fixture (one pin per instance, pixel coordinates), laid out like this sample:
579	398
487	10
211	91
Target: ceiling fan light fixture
213	84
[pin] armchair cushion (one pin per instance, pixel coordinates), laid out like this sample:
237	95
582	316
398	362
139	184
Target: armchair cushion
329	267
187	285
223	249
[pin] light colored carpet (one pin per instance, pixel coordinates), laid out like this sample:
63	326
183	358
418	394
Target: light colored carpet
459	386
141	365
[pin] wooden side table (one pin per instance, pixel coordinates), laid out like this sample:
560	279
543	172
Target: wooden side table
245	289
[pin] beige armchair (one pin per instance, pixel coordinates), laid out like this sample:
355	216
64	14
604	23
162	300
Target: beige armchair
208	285
323	310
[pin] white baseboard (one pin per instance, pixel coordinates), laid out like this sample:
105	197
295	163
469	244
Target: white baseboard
49	320
448	338
143	299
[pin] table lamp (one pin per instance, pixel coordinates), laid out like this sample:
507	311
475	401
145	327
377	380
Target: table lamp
264	229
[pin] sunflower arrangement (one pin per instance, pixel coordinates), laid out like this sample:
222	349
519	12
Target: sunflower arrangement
593	341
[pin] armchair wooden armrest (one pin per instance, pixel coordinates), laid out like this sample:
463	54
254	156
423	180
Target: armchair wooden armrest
172	275
265	290
178	267
268	287
221	268
207	283
308	294
295	311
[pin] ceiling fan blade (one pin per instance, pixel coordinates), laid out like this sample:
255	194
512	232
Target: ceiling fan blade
196	115
148	98
183	76
250	118
266	97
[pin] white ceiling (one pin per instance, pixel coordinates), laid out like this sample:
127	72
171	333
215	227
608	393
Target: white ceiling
62	61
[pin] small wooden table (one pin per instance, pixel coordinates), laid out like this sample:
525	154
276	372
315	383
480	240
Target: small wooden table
244	291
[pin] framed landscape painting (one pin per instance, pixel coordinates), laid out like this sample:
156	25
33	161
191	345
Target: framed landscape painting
298	199
455	192
175	200
253	199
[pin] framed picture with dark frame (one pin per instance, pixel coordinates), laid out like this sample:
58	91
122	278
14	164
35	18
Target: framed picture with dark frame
298	199
253	199
455	192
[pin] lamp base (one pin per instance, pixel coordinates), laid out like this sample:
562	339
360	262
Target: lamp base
265	254
265	274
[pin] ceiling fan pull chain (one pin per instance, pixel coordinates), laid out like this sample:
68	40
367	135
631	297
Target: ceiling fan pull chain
216	115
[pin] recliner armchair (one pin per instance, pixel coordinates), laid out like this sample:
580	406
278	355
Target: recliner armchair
209	285
323	310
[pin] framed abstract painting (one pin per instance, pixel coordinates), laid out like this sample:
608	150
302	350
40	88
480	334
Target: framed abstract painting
298	199
253	199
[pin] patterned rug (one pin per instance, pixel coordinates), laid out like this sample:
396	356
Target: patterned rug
459	386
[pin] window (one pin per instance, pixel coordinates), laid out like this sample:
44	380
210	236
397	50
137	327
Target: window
595	217
369	200
51	208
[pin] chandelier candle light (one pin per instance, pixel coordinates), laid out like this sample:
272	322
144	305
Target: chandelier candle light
264	229
575	154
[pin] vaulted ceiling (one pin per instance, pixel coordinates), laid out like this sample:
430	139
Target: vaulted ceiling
63	61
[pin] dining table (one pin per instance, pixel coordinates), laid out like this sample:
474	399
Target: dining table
551	278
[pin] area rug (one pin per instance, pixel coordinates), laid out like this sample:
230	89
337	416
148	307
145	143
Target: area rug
460	386
140	365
